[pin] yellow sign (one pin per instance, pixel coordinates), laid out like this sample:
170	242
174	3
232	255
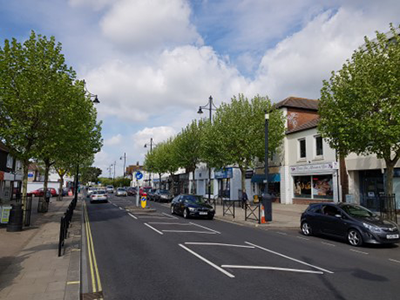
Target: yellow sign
144	201
4	214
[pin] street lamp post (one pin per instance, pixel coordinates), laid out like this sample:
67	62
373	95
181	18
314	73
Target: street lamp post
151	149
95	101
210	106
123	170
267	199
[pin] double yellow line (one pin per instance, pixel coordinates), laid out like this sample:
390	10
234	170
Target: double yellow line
94	271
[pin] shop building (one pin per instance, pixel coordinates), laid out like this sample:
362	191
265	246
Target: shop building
11	174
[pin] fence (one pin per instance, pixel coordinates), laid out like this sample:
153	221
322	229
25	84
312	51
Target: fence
253	212
64	225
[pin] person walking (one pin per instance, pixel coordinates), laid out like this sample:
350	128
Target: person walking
244	199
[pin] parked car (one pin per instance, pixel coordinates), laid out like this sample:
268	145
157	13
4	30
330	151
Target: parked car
354	223
40	192
191	206
163	196
99	196
90	191
151	194
121	192
110	189
131	191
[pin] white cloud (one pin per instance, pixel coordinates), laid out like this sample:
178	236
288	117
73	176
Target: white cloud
115	140
147	24
95	4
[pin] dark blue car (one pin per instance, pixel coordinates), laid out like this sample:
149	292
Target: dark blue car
354	223
192	206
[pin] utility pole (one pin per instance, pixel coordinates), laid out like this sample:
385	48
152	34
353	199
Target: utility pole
123	170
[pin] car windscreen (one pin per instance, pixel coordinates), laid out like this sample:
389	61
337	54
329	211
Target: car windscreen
100	192
164	192
357	211
194	199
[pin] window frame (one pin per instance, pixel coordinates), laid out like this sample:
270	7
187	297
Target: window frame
316	138
299	141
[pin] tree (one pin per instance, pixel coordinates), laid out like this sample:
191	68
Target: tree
90	174
29	74
236	136
360	104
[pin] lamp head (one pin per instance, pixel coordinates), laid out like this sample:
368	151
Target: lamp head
200	111
96	100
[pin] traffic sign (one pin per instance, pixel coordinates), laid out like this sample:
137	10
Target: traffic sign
139	175
144	201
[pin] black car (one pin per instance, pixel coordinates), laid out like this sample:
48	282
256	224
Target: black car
163	196
151	194
191	206
354	223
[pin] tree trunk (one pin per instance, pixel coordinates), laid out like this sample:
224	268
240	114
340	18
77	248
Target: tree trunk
25	187
159	184
60	189
344	178
46	176
389	205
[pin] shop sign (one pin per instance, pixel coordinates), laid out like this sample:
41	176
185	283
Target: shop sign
223	173
314	168
249	174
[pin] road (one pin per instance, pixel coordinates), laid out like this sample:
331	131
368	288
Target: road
163	256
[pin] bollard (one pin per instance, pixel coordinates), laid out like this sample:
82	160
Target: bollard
16	218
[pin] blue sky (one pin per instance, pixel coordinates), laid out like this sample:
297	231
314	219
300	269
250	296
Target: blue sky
153	62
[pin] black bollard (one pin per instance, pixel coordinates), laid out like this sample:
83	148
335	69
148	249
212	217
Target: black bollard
16	217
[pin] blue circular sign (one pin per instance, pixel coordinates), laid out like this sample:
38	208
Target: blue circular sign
139	175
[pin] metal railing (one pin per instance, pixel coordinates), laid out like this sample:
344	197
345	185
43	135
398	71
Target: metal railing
228	207
253	212
387	207
64	225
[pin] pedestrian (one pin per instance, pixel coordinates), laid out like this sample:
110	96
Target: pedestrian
244	199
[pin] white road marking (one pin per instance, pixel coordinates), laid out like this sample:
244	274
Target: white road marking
281	233
153	228
291	258
270	268
207	261
357	251
120	208
328	244
166	223
393	260
170	216
189	231
205	227
143	216
302	238
218	244
132	216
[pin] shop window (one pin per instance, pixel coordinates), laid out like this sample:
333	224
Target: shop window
322	187
302	186
319	151
302	148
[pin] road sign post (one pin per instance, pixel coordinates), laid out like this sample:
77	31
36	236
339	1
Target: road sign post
138	176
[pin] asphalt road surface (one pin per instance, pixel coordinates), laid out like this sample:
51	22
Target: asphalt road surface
164	256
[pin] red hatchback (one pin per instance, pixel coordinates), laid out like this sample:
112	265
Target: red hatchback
40	192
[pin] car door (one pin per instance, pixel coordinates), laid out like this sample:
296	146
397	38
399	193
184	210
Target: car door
334	222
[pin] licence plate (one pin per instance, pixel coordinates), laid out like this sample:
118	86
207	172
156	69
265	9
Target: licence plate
392	236
203	213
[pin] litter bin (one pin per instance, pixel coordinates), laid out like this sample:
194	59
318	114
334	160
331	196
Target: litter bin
267	202
16	217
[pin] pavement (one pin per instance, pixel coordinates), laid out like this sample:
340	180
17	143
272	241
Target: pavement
30	268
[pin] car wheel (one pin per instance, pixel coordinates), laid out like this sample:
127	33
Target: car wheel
210	217
306	229
172	210
186	214
354	238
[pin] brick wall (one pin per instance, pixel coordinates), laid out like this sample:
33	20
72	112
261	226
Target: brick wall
297	117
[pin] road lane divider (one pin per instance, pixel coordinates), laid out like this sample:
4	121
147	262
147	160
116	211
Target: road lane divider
394	260
290	258
205	227
94	271
132	216
208	262
270	269
189	231
358	251
151	227
218	244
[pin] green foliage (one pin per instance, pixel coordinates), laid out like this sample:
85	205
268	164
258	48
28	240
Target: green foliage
360	104
117	182
90	174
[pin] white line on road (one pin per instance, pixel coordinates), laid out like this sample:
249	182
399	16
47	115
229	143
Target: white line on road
169	216
153	228
281	233
218	244
270	268
328	244
205	228
291	258
302	238
166	223
120	208
358	251
207	261
393	260
132	216
189	231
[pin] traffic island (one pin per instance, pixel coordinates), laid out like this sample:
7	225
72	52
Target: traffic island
136	209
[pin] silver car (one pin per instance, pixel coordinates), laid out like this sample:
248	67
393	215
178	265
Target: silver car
121	192
99	196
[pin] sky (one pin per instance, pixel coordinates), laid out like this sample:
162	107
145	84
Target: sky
152	63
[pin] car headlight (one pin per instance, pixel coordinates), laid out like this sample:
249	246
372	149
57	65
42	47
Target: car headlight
192	209
372	228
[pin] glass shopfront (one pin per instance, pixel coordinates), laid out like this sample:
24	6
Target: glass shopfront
313	187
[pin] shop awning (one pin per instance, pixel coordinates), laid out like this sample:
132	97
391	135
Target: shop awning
259	178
